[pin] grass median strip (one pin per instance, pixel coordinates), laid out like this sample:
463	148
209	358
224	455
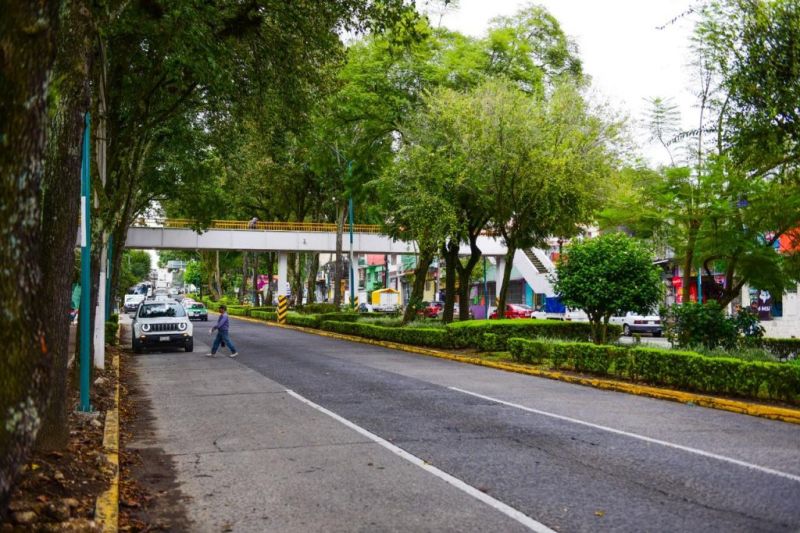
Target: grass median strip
737	406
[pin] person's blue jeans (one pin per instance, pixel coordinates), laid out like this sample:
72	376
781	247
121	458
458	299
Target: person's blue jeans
222	336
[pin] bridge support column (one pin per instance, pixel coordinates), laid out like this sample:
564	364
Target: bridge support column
498	277
283	281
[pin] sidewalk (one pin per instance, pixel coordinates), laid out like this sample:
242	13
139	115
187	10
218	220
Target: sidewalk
251	457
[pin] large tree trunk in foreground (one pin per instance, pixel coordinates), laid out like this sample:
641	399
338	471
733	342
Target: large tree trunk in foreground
338	271
312	277
27	48
465	275
60	203
424	260
450	252
501	301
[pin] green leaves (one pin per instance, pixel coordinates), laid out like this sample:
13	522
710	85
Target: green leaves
608	276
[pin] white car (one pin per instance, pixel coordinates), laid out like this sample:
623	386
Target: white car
634	323
132	302
161	323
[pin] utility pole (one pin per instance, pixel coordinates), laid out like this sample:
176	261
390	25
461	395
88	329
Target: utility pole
86	264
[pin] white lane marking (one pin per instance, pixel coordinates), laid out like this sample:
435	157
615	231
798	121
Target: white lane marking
520	517
751	466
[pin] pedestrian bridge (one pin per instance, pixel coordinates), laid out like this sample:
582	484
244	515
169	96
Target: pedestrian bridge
177	234
285	237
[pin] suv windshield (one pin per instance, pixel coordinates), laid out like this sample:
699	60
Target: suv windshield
158	310
197	307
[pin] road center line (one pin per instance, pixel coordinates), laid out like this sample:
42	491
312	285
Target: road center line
520	517
695	451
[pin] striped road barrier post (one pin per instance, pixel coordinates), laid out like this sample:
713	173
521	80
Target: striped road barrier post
283	309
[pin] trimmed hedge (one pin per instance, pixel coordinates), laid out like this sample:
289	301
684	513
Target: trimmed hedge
318	309
434	337
780	348
470	333
272	316
239	310
682	370
307	321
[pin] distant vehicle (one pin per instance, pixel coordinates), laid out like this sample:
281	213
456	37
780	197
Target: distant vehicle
161	292
160	323
515	311
431	309
554	309
365	308
197	311
132	301
633	323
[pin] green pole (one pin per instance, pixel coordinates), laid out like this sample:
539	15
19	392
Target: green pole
86	248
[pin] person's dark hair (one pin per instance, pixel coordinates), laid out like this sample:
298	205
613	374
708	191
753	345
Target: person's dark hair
223	307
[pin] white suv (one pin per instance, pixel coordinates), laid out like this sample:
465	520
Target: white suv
161	322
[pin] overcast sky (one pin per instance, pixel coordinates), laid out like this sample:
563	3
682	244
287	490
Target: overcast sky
627	57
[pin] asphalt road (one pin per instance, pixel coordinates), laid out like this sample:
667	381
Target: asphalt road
376	439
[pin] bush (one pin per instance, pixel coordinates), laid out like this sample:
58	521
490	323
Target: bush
111	332
306	321
114	317
344	316
268	308
271	316
434	337
706	325
239	310
470	333
781	348
679	369
318	308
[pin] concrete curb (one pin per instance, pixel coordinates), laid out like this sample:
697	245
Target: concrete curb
783	414
107	506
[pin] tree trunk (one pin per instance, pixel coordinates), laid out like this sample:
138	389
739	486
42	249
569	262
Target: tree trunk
28	32
424	260
60	200
450	254
256	303
465	276
313	269
338	270
501	301
270	268
217	275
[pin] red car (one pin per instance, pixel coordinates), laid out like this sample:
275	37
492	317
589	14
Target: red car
431	309
515	311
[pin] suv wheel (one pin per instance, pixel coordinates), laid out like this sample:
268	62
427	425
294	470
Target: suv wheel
626	330
190	345
137	346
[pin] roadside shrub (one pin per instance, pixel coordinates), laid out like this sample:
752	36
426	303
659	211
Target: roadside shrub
307	321
271	316
238	310
377	321
111	332
114	317
268	308
434	337
679	369
343	316
783	349
318	308
706	325
470	333
489	342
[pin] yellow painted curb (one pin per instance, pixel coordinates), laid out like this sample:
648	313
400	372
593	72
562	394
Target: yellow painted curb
107	506
783	414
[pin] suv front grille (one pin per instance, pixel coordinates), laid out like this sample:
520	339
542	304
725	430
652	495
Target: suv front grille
168	326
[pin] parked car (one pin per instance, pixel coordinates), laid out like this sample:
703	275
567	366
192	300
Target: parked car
431	309
132	301
634	323
365	308
197	311
515	311
161	323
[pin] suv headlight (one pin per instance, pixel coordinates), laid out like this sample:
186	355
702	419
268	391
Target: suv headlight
145	327
182	326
